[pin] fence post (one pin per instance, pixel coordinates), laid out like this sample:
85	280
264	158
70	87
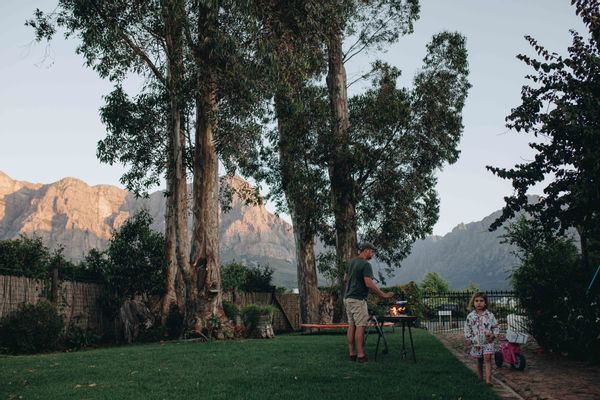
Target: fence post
54	287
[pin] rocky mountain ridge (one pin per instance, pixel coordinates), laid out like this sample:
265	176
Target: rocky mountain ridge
81	217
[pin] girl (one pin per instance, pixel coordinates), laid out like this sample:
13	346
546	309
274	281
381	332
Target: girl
481	328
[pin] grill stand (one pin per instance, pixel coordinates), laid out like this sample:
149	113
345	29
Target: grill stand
406	323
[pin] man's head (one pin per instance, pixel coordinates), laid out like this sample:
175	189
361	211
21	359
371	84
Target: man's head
366	250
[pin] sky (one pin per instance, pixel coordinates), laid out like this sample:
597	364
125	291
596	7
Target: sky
49	100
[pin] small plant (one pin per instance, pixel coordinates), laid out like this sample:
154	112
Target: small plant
252	315
78	338
31	329
231	310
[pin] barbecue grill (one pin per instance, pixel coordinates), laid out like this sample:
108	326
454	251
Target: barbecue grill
397	313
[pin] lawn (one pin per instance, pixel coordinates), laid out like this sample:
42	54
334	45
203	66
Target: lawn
288	367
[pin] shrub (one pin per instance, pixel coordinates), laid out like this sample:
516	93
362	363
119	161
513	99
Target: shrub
78	338
231	310
551	285
32	328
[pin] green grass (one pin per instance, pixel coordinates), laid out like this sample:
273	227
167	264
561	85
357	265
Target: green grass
289	367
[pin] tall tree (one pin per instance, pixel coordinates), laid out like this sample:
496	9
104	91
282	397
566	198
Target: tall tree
120	37
295	43
174	43
399	138
561	111
372	24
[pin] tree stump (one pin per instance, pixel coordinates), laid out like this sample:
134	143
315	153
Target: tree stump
264	327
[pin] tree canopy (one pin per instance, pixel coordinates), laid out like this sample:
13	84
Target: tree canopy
560	109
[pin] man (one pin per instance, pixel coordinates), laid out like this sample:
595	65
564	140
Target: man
359	280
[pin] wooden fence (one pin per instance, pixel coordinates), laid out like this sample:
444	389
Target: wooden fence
77	302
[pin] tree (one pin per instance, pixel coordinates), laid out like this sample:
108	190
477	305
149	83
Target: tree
196	58
25	256
561	110
233	277
134	261
398	138
294	43
373	24
433	282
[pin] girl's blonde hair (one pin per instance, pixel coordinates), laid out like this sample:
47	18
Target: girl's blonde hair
476	295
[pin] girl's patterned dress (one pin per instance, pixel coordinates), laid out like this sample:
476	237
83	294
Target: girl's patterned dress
476	326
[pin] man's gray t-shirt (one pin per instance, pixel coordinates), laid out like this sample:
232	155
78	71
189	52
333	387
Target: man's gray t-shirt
358	268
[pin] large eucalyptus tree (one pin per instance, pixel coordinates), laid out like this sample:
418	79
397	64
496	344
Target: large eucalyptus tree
367	25
188	85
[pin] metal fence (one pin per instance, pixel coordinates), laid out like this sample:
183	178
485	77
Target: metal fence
447	311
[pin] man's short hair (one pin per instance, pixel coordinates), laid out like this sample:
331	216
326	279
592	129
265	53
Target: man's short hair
366	245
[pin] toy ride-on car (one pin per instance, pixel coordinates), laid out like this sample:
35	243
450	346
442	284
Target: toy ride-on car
510	350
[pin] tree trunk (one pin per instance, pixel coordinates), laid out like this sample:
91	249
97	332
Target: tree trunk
342	184
307	274
205	231
176	215
304	232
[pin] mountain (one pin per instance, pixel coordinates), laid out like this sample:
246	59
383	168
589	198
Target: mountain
470	253
81	217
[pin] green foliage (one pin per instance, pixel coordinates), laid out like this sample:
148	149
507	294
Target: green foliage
561	110
472	287
29	257
259	279
78	338
233	276
399	138
433	282
32	328
134	261
551	285
237	276
231	310
25	256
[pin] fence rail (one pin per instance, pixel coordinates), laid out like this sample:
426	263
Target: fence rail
447	311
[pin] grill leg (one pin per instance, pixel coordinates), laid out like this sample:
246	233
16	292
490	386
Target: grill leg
412	347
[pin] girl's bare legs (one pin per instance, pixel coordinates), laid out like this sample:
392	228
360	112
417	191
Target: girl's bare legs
487	359
480	368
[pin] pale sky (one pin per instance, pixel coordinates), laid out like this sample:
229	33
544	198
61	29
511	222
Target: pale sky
49	100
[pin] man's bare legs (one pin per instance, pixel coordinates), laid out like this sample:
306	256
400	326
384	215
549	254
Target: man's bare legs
350	340
356	338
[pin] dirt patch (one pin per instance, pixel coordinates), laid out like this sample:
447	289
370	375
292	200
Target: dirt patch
546	377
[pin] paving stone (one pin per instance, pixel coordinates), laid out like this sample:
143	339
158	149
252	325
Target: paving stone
546	377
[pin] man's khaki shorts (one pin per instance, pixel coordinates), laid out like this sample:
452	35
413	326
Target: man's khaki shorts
357	312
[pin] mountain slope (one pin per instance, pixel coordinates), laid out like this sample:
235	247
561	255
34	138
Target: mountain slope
470	253
81	217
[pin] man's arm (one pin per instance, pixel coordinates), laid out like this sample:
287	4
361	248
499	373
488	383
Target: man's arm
373	287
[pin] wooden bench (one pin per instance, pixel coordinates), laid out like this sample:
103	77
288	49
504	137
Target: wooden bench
337	326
